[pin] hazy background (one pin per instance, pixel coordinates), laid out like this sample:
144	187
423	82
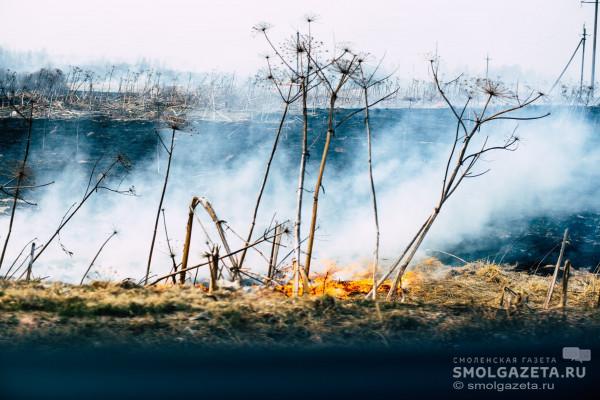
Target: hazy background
527	39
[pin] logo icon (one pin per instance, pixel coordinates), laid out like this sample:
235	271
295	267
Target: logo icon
576	354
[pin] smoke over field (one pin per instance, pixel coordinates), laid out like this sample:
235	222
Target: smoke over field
550	177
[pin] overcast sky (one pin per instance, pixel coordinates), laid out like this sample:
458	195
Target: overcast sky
538	36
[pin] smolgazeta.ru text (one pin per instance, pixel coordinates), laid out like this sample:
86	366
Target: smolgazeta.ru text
518	372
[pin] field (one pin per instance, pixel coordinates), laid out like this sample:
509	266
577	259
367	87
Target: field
440	305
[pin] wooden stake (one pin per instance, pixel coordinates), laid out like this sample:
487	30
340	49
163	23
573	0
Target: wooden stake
30	266
555	275
188	238
565	282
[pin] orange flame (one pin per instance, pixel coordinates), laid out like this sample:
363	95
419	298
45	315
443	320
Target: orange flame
359	285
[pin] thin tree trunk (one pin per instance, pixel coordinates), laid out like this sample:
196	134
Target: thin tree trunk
20	177
162	197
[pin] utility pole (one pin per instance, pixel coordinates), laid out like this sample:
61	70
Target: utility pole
594	42
487	66
583	39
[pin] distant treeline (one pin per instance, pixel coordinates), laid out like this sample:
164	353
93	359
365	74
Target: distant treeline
126	91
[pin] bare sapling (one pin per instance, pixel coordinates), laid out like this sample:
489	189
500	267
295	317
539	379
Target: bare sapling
464	156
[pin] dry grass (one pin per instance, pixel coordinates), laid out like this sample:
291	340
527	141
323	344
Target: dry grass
440	304
476	284
482	284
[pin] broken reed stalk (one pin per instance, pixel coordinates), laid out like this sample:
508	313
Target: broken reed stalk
214	269
30	265
219	225
188	238
20	178
87	271
160	203
565	286
265	238
556	268
274	252
510	294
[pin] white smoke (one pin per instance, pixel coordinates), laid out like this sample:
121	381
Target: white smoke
554	169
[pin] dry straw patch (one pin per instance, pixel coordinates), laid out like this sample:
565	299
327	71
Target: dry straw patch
439	303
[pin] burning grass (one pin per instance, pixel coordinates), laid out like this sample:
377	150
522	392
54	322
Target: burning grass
475	284
439	304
